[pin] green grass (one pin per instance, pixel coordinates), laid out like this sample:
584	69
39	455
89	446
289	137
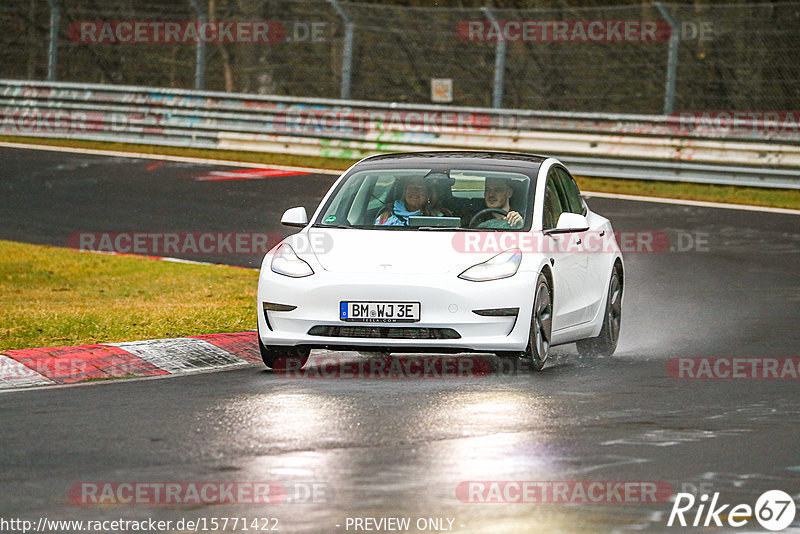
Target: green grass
758	196
53	296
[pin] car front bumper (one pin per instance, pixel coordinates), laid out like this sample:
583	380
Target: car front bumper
447	305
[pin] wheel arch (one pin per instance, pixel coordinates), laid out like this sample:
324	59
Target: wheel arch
621	270
548	274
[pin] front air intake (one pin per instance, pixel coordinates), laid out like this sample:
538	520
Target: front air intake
384	332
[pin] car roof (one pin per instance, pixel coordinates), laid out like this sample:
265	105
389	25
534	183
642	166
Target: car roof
465	157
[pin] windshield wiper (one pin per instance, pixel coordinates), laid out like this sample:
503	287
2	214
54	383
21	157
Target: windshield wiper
340	225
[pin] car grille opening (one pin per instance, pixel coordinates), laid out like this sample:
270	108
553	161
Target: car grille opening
384	332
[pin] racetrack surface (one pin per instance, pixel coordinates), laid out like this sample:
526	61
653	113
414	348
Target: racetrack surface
401	447
47	197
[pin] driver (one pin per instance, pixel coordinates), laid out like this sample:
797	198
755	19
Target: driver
497	193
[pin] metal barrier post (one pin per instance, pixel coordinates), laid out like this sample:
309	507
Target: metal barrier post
672	58
347	52
499	64
200	49
52	59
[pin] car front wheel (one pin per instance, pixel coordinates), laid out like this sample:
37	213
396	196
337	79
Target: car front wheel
282	358
538	348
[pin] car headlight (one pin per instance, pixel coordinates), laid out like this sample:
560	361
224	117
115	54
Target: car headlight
287	263
503	265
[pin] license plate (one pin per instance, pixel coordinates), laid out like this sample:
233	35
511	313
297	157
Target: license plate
379	312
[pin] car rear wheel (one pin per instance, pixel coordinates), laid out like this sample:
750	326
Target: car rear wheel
538	348
606	343
282	358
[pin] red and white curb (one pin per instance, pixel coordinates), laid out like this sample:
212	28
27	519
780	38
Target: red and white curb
246	174
67	365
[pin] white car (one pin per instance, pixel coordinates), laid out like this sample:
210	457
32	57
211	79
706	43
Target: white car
473	252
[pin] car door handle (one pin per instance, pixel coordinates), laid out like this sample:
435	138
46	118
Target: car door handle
602	233
579	241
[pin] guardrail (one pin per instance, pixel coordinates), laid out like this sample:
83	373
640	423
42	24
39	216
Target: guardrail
627	146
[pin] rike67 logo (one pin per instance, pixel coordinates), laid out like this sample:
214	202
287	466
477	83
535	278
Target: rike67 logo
774	510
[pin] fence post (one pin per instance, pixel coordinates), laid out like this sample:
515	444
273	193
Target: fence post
672	58
499	64
200	49
347	53
52	56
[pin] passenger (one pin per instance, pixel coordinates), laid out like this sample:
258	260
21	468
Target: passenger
416	195
497	193
438	191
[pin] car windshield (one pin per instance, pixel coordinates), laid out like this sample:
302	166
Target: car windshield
414	199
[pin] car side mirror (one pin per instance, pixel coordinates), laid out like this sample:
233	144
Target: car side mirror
570	222
296	217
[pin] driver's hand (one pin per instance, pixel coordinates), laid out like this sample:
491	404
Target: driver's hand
514	219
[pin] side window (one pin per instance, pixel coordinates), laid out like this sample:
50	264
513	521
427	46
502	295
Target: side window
570	193
552	203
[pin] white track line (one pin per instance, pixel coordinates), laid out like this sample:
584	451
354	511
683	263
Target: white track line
185	159
700	203
162	258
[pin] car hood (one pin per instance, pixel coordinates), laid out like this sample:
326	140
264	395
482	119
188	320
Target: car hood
389	251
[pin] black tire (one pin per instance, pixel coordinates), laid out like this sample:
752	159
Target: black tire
538	348
281	358
606	343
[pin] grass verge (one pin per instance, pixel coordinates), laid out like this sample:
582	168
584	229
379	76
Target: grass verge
756	196
53	296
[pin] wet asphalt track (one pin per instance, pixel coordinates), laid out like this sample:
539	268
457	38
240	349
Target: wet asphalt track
399	448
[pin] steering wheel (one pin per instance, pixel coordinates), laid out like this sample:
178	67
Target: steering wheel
484	215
